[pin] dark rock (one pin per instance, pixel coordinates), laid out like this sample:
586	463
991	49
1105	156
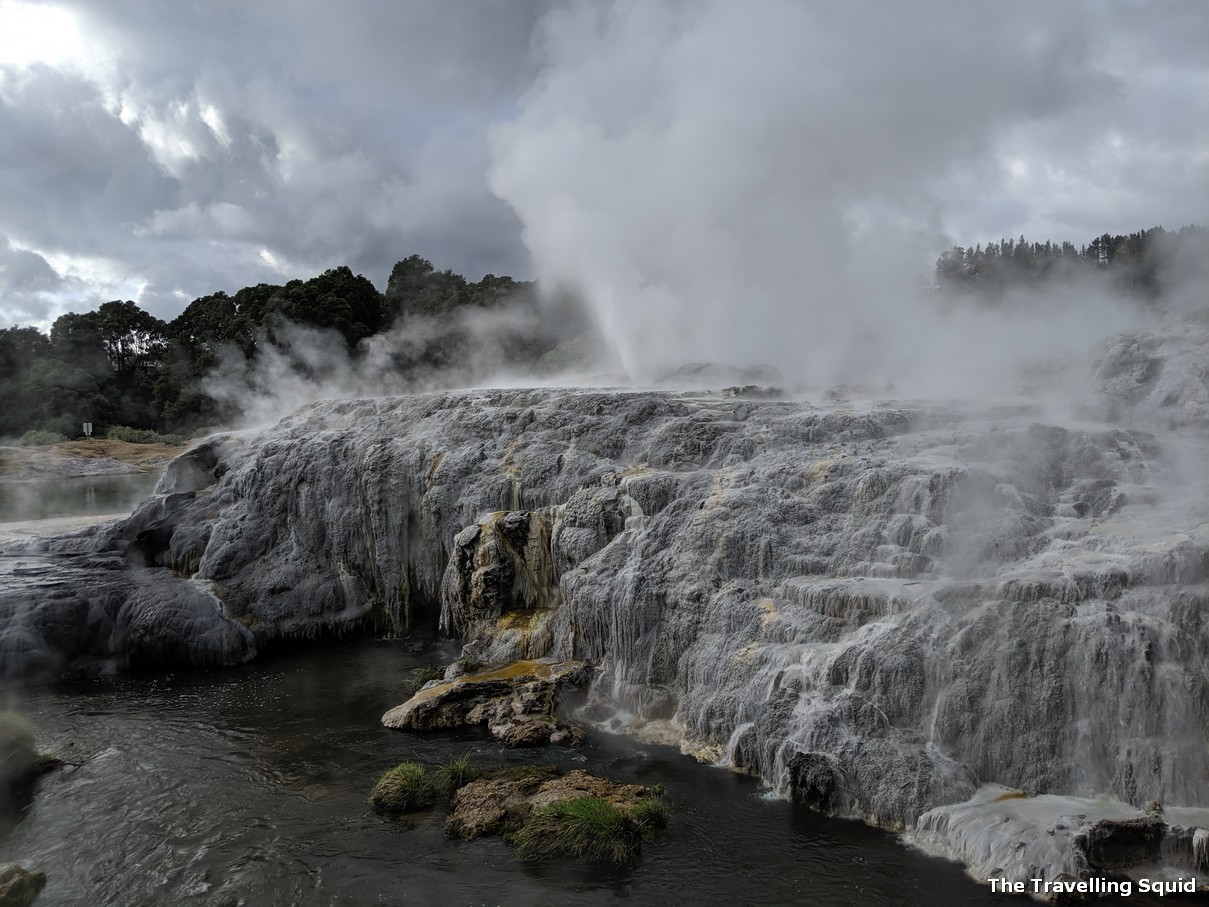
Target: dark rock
813	781
1115	845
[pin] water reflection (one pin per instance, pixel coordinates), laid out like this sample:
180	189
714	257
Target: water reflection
249	786
82	496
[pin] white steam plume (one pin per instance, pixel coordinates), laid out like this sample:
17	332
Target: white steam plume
766	182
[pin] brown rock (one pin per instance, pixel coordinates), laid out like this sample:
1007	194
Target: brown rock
502	803
517	703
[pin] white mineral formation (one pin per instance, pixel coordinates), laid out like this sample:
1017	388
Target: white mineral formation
879	608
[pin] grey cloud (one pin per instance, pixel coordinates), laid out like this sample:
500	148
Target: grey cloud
27	285
215	131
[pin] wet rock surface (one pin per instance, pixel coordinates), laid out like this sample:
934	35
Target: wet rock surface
880	606
518	703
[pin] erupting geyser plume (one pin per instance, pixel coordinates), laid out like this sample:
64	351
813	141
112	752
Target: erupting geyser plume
770	182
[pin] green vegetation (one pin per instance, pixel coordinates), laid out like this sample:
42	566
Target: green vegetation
650	815
120	366
420	676
38	438
586	828
403	788
141	436
410	786
456	773
1144	265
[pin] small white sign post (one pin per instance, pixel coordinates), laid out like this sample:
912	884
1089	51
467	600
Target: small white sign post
87	429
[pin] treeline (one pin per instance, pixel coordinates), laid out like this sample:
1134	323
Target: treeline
122	366
1146	264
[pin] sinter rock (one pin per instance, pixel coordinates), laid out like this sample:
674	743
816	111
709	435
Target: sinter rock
879	607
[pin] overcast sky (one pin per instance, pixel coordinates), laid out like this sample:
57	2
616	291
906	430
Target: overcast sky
160	151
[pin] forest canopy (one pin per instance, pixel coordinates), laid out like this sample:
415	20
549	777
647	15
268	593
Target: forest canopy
122	366
1144	265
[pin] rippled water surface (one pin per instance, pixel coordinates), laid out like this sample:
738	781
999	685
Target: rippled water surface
248	786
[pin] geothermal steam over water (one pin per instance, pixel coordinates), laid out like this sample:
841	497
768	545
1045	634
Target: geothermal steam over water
837	484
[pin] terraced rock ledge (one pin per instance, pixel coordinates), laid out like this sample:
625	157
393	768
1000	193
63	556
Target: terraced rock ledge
882	608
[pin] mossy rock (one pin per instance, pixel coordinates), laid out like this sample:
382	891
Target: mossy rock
20	887
528	805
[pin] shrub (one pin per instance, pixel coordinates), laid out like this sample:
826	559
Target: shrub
586	828
141	436
402	788
37	438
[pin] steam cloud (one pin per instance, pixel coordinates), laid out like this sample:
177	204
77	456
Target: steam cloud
768	182
304	364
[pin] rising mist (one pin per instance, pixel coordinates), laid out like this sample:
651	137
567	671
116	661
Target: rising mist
771	183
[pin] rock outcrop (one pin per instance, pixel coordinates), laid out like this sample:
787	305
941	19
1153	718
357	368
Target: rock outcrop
518	703
877	607
501	803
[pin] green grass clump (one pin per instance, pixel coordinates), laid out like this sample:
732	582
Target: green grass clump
455	774
586	828
426	674
405	787
650	815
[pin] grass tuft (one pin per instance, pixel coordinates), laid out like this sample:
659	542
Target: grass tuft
456	773
650	815
405	787
586	828
420	676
